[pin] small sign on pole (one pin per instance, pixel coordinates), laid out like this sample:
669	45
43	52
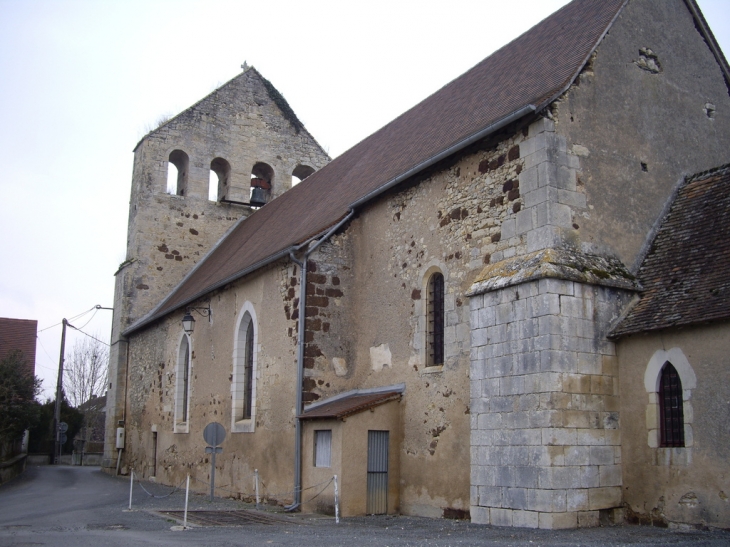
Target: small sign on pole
214	434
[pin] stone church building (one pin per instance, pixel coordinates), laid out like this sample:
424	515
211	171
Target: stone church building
511	303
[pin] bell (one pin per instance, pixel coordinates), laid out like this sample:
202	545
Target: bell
258	197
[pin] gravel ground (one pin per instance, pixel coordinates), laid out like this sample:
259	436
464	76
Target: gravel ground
79	507
320	530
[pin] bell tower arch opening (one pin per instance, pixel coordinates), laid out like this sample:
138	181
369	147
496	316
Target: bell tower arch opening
220	174
300	173
180	161
262	182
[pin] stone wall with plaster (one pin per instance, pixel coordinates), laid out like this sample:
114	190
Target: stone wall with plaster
268	445
681	486
366	308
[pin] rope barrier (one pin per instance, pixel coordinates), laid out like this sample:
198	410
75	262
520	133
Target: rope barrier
150	494
268	494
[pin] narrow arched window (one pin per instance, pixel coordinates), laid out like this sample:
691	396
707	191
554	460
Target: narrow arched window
243	388
435	313
248	373
671	408
182	383
180	161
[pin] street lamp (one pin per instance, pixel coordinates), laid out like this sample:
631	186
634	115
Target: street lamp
188	321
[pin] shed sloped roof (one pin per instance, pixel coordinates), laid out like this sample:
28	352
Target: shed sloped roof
349	405
685	274
533	69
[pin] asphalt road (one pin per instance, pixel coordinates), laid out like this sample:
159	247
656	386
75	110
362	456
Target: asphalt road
78	507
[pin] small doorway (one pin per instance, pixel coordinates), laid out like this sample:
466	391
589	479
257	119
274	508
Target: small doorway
377	502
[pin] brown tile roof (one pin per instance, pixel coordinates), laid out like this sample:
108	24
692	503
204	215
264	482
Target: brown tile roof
349	405
533	69
685	274
19	334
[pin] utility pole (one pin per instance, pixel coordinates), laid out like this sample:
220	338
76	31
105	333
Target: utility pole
57	445
59	387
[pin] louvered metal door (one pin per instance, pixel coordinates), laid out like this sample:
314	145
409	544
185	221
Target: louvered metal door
377	503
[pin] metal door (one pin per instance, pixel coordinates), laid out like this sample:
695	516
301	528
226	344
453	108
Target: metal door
377	503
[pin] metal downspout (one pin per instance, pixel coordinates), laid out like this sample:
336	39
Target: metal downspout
300	356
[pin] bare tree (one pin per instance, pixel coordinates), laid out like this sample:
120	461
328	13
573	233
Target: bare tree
85	371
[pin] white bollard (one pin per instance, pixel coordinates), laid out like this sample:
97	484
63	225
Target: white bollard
187	491
337	503
256	479
131	483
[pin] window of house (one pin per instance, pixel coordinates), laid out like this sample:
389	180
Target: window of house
220	172
671	411
323	448
177	173
435	319
243	388
182	385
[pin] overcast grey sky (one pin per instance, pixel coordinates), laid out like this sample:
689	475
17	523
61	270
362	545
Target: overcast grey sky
82	80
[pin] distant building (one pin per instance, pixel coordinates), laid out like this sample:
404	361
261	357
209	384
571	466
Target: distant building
19	334
16	335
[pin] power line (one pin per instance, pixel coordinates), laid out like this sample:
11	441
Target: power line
96	309
87	334
79	316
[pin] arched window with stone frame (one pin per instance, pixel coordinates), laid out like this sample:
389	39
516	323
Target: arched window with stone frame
671	408
243	387
669	381
182	386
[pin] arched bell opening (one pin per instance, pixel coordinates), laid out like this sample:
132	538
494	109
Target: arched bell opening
262	179
300	173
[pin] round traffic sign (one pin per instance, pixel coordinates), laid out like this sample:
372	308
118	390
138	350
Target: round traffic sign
214	434
62	427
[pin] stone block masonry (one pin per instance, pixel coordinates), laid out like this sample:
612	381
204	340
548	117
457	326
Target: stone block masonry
545	438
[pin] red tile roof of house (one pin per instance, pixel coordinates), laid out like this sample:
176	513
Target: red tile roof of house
685	274
19	334
526	74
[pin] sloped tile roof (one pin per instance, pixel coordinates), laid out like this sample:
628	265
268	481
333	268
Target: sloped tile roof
533	69
19	334
352	404
685	274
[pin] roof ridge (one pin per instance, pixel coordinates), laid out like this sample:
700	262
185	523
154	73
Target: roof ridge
719	170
